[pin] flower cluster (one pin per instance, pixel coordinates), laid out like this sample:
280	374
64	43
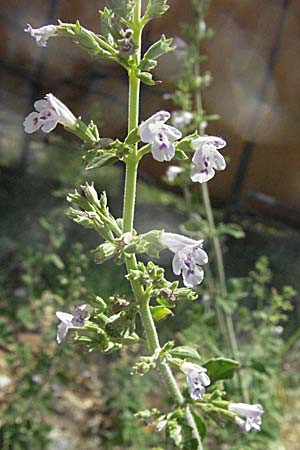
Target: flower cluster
252	413
197	379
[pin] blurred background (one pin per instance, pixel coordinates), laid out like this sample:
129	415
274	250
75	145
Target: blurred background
254	61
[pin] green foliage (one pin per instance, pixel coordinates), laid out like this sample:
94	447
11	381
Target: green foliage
155	9
221	368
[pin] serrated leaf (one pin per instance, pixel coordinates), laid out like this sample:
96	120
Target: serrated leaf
160	312
155	9
156	50
221	368
184	352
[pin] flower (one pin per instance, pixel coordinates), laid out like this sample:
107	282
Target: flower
42	34
172	172
207	159
50	112
161	136
251	412
188	257
180	119
72	321
197	379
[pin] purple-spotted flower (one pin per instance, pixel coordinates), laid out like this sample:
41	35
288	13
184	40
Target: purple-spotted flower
75	320
252	414
154	131
42	34
180	119
172	172
188	259
49	112
207	159
197	379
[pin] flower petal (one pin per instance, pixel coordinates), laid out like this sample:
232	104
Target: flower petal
216	141
65	116
64	317
162	151
218	160
176	242
62	331
41	105
192	277
32	123
172	133
49	125
246	410
144	131
202	175
177	263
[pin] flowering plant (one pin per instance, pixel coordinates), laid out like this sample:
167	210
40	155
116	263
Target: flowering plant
107	325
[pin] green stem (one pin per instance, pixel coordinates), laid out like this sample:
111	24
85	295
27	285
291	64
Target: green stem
231	337
128	219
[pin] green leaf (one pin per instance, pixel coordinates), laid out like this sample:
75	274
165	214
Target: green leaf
230	229
156	50
200	425
180	154
160	312
149	243
133	137
146	78
221	368
104	252
188	353
99	158
155	9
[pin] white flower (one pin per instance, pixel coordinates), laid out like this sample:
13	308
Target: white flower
161	136
71	321
207	159
50	112
197	379
180	119
42	34
252	413
172	172
188	257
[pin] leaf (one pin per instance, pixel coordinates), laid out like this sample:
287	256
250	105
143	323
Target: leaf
155	9
146	78
185	352
160	312
133	137
99	158
221	368
104	252
200	425
156	50
149	243
230	229
180	154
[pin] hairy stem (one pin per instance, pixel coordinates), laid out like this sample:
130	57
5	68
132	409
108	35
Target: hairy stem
128	219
